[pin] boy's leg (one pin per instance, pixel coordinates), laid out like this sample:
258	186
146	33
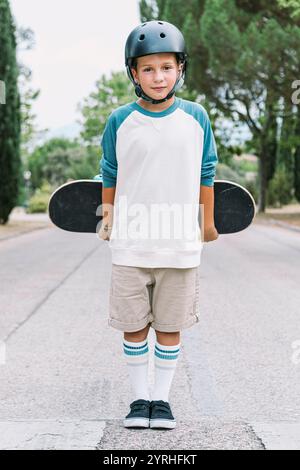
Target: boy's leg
167	348
168	339
175	307
137	336
136	353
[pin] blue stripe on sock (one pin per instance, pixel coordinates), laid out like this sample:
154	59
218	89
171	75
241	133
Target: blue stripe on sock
135	353
135	350
161	356
168	352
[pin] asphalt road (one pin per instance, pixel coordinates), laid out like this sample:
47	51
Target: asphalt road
64	381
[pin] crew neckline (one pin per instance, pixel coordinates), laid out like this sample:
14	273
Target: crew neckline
165	112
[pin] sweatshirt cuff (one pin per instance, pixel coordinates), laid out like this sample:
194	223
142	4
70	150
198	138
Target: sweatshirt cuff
207	181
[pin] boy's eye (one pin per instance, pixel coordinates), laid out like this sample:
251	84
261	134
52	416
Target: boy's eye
149	68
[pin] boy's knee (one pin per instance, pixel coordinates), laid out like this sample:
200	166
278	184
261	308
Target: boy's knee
137	336
168	338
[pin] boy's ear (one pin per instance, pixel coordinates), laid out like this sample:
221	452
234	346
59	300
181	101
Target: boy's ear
180	68
134	74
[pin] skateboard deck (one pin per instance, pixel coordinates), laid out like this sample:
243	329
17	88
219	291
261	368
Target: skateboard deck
76	206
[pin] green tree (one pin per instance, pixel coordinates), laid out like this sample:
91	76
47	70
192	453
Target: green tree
59	160
291	5
297	156
26	42
29	128
294	138
243	56
110	93
10	121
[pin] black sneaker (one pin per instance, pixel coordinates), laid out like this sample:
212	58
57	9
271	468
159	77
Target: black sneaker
161	415
139	415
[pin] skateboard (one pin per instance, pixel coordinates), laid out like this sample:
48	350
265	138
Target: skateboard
76	206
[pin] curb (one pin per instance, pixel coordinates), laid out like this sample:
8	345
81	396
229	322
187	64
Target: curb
284	225
25	232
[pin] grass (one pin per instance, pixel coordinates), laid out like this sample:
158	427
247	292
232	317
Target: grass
20	223
289	214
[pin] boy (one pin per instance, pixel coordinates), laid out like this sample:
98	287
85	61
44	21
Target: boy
157	152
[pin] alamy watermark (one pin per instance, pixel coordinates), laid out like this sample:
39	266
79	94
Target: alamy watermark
154	221
2	92
296	94
2	353
296	355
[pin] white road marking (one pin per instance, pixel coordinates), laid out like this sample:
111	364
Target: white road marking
278	436
50	434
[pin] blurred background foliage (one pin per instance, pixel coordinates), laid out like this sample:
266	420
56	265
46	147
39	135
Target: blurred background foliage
243	59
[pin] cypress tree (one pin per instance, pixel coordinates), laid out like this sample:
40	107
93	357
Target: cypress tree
10	117
297	158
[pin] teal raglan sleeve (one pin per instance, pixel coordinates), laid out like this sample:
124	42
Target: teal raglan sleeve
108	163
210	156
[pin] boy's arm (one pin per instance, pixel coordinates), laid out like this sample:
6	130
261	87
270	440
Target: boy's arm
208	171
109	168
207	213
108	198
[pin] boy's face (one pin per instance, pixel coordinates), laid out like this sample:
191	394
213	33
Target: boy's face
157	70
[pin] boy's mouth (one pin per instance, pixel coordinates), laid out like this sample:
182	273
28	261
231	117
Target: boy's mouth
159	88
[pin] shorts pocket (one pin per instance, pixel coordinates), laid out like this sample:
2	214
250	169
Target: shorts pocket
129	309
125	281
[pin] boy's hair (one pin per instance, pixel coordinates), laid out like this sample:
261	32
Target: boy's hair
134	61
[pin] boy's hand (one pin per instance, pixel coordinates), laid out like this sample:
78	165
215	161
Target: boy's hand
210	234
105	232
107	210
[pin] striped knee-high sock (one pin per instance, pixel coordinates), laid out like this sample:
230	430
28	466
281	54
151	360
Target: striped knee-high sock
165	361
137	357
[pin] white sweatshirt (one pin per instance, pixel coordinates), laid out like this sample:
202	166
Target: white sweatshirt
157	161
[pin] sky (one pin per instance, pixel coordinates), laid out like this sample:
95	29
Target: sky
75	43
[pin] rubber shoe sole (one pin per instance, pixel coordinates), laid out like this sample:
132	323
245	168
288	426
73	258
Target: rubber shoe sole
161	416
136	423
139	414
162	424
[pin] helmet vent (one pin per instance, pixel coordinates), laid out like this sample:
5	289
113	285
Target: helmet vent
159	22
162	35
142	37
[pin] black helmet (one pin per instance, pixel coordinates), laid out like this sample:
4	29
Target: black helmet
154	37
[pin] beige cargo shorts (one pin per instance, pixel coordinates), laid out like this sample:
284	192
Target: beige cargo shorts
167	298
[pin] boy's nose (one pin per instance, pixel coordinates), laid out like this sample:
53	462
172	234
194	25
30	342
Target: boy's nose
158	76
